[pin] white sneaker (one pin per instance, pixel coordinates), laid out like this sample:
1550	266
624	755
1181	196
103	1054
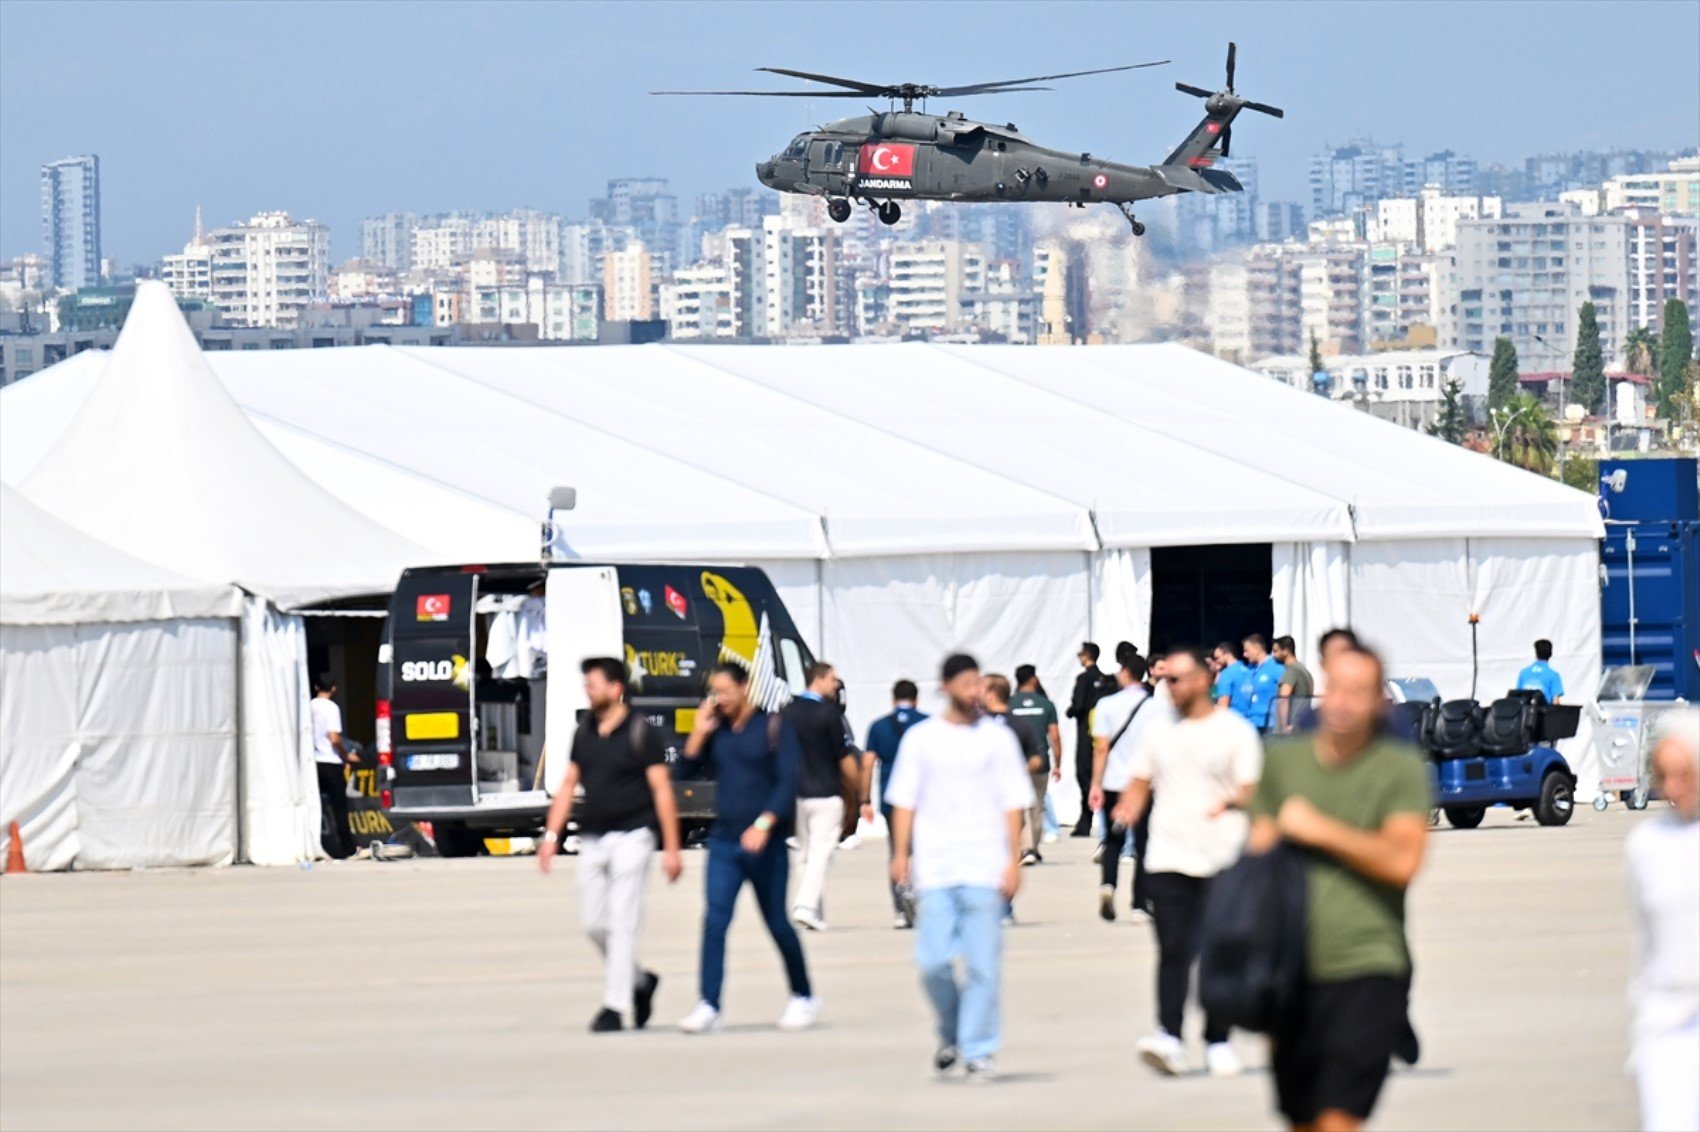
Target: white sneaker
1220	1060
703	1019
901	922
808	918
1162	1052
800	1013
1049	838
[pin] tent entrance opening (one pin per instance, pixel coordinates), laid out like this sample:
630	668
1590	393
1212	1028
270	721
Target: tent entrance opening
1201	595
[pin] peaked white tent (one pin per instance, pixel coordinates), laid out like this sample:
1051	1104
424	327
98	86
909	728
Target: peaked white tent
161	462
118	715
912	498
164	464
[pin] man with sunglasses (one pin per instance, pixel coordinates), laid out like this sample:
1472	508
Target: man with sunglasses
1205	767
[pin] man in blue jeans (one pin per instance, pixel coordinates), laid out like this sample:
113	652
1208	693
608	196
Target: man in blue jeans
754	757
958	795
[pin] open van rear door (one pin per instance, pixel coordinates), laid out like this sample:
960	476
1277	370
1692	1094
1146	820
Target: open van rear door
582	604
431	688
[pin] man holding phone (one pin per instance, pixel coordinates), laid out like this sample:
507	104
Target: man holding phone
754	757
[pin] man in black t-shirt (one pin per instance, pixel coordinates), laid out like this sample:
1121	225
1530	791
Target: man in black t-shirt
828	769
995	698
628	800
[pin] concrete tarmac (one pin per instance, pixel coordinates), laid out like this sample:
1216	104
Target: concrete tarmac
455	994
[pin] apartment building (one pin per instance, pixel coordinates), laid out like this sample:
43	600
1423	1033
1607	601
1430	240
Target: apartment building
1525	276
264	270
70	221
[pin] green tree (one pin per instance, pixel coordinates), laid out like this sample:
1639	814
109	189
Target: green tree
1525	433
1588	370
1451	422
1502	373
1676	348
1582	474
1315	356
1641	352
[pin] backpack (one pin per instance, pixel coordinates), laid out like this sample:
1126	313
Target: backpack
1251	965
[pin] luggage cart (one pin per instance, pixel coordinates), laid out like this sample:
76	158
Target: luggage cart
1624	722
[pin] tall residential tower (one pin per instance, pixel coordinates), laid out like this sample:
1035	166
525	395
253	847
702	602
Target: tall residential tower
70	221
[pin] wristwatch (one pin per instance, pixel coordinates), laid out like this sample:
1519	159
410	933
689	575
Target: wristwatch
551	836
763	823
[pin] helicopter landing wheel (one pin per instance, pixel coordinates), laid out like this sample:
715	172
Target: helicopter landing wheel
890	213
839	210
1138	228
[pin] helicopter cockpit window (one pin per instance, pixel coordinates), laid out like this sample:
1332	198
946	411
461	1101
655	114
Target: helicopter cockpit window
799	145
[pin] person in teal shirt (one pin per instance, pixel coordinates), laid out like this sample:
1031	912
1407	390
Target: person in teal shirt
1541	676
1233	680
1262	683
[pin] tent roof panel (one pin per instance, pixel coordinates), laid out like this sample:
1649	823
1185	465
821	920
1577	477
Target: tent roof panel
51	573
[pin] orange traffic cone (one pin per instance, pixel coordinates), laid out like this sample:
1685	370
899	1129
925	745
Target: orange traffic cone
15	854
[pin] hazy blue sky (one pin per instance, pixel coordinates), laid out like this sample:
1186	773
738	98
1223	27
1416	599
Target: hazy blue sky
342	110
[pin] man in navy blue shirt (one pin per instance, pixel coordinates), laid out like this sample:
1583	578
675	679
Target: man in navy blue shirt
884	735
1541	676
754	758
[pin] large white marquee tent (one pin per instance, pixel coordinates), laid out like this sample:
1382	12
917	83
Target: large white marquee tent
907	498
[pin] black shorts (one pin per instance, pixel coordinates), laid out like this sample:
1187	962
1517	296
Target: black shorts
1336	1052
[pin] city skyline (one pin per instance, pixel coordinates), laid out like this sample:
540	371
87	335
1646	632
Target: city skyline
378	131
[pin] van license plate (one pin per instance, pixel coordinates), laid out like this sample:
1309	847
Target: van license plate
433	762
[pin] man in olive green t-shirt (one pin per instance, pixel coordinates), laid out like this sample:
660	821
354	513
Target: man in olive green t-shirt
1358	803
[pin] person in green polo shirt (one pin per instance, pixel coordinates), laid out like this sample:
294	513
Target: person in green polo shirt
1357	801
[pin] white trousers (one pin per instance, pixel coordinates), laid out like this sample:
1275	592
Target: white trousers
1667	1070
819	822
613	869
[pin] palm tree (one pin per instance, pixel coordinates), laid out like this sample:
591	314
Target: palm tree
1527	436
1641	351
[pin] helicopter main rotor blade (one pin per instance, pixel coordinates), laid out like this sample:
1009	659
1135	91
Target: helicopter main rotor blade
1232	51
772	93
852	84
987	88
1195	91
1264	108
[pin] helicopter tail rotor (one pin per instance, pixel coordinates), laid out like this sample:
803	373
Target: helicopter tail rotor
1214	136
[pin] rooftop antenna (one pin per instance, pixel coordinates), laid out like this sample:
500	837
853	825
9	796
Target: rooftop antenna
197	223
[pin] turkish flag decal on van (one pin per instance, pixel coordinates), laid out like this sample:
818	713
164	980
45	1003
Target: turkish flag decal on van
432	607
886	159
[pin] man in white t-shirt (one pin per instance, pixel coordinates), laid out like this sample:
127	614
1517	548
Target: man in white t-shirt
330	756
1118	726
1204	769
958	794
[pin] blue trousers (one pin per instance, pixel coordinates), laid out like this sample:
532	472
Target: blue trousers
965	923
729	868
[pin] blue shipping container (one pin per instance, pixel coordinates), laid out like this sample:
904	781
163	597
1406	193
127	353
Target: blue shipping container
1664	593
1665	490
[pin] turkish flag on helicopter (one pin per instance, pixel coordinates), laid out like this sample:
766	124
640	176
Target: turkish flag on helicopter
886	159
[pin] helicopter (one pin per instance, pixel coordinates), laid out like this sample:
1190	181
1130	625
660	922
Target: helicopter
881	158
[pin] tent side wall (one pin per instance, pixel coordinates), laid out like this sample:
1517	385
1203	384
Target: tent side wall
1413	600
280	791
120	739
